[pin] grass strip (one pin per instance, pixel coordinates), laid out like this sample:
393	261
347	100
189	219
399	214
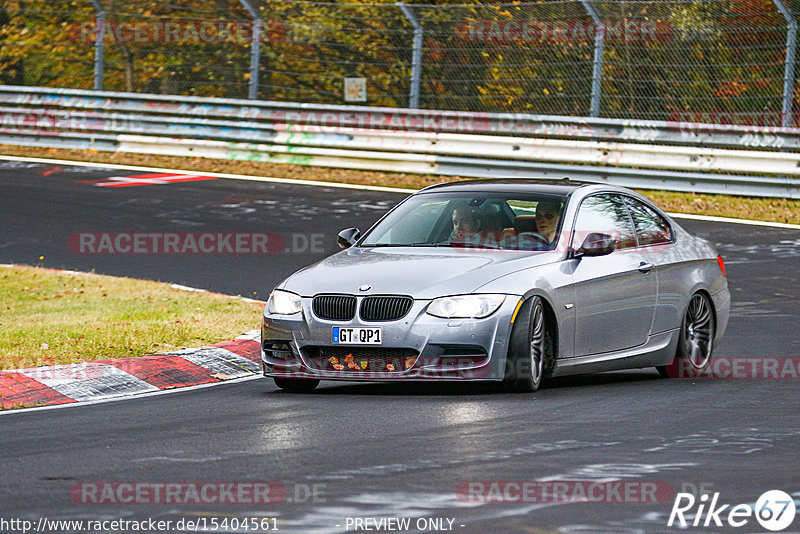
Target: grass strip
50	317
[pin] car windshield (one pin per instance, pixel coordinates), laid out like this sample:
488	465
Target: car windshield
507	221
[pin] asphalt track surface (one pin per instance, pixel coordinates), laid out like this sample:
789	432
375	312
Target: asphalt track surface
376	450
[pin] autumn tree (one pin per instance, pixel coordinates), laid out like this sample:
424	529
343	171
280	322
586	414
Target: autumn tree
661	57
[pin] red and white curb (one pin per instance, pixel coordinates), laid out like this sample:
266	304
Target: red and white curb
109	379
112	379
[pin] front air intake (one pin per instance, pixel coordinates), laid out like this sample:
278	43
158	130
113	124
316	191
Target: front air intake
334	307
385	308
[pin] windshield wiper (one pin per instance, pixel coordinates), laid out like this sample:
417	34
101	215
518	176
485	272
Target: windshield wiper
449	244
399	245
467	244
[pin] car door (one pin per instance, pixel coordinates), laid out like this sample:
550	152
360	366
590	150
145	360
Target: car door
615	294
657	240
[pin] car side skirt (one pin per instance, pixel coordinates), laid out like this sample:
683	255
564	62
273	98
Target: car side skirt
658	350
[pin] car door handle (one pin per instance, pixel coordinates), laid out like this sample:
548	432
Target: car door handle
645	267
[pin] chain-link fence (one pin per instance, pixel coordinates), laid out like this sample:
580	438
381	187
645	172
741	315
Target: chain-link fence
717	61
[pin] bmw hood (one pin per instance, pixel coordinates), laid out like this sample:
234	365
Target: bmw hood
424	273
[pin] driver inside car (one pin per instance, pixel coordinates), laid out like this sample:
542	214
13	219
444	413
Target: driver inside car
467	222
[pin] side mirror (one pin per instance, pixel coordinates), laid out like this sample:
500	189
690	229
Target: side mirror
347	238
597	244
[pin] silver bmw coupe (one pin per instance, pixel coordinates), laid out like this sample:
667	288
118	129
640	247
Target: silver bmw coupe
504	280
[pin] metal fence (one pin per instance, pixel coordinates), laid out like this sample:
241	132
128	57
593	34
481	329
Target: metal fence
710	61
645	154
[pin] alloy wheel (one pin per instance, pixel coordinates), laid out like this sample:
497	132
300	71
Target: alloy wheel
698	331
537	345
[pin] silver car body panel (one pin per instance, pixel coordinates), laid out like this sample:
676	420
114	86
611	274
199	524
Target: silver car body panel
658	350
609	314
424	273
417	331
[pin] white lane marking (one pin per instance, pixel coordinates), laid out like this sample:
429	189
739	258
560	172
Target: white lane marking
319	183
713	218
198	290
291	181
173	286
62	271
187	288
117	399
125	181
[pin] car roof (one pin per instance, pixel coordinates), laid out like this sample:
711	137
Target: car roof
505	185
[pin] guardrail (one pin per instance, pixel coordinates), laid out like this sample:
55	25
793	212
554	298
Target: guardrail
646	154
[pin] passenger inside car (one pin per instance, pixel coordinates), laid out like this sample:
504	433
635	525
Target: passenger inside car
547	217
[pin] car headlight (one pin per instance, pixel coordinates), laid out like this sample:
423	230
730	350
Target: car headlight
283	302
466	306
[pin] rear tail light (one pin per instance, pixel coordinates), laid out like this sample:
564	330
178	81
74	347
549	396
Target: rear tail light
721	265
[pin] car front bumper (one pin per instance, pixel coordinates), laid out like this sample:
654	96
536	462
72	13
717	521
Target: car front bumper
426	347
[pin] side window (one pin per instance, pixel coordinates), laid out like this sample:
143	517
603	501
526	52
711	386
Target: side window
604	214
651	228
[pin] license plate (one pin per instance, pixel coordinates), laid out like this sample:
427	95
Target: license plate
356	336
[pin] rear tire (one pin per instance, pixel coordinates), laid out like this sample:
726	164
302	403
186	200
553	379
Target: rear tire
696	341
296	385
530	349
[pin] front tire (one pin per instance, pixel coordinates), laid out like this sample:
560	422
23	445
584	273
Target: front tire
530	349
296	385
696	341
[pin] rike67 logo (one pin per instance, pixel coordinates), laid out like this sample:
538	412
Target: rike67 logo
774	511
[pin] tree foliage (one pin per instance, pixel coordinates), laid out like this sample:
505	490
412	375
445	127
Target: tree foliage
661	57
